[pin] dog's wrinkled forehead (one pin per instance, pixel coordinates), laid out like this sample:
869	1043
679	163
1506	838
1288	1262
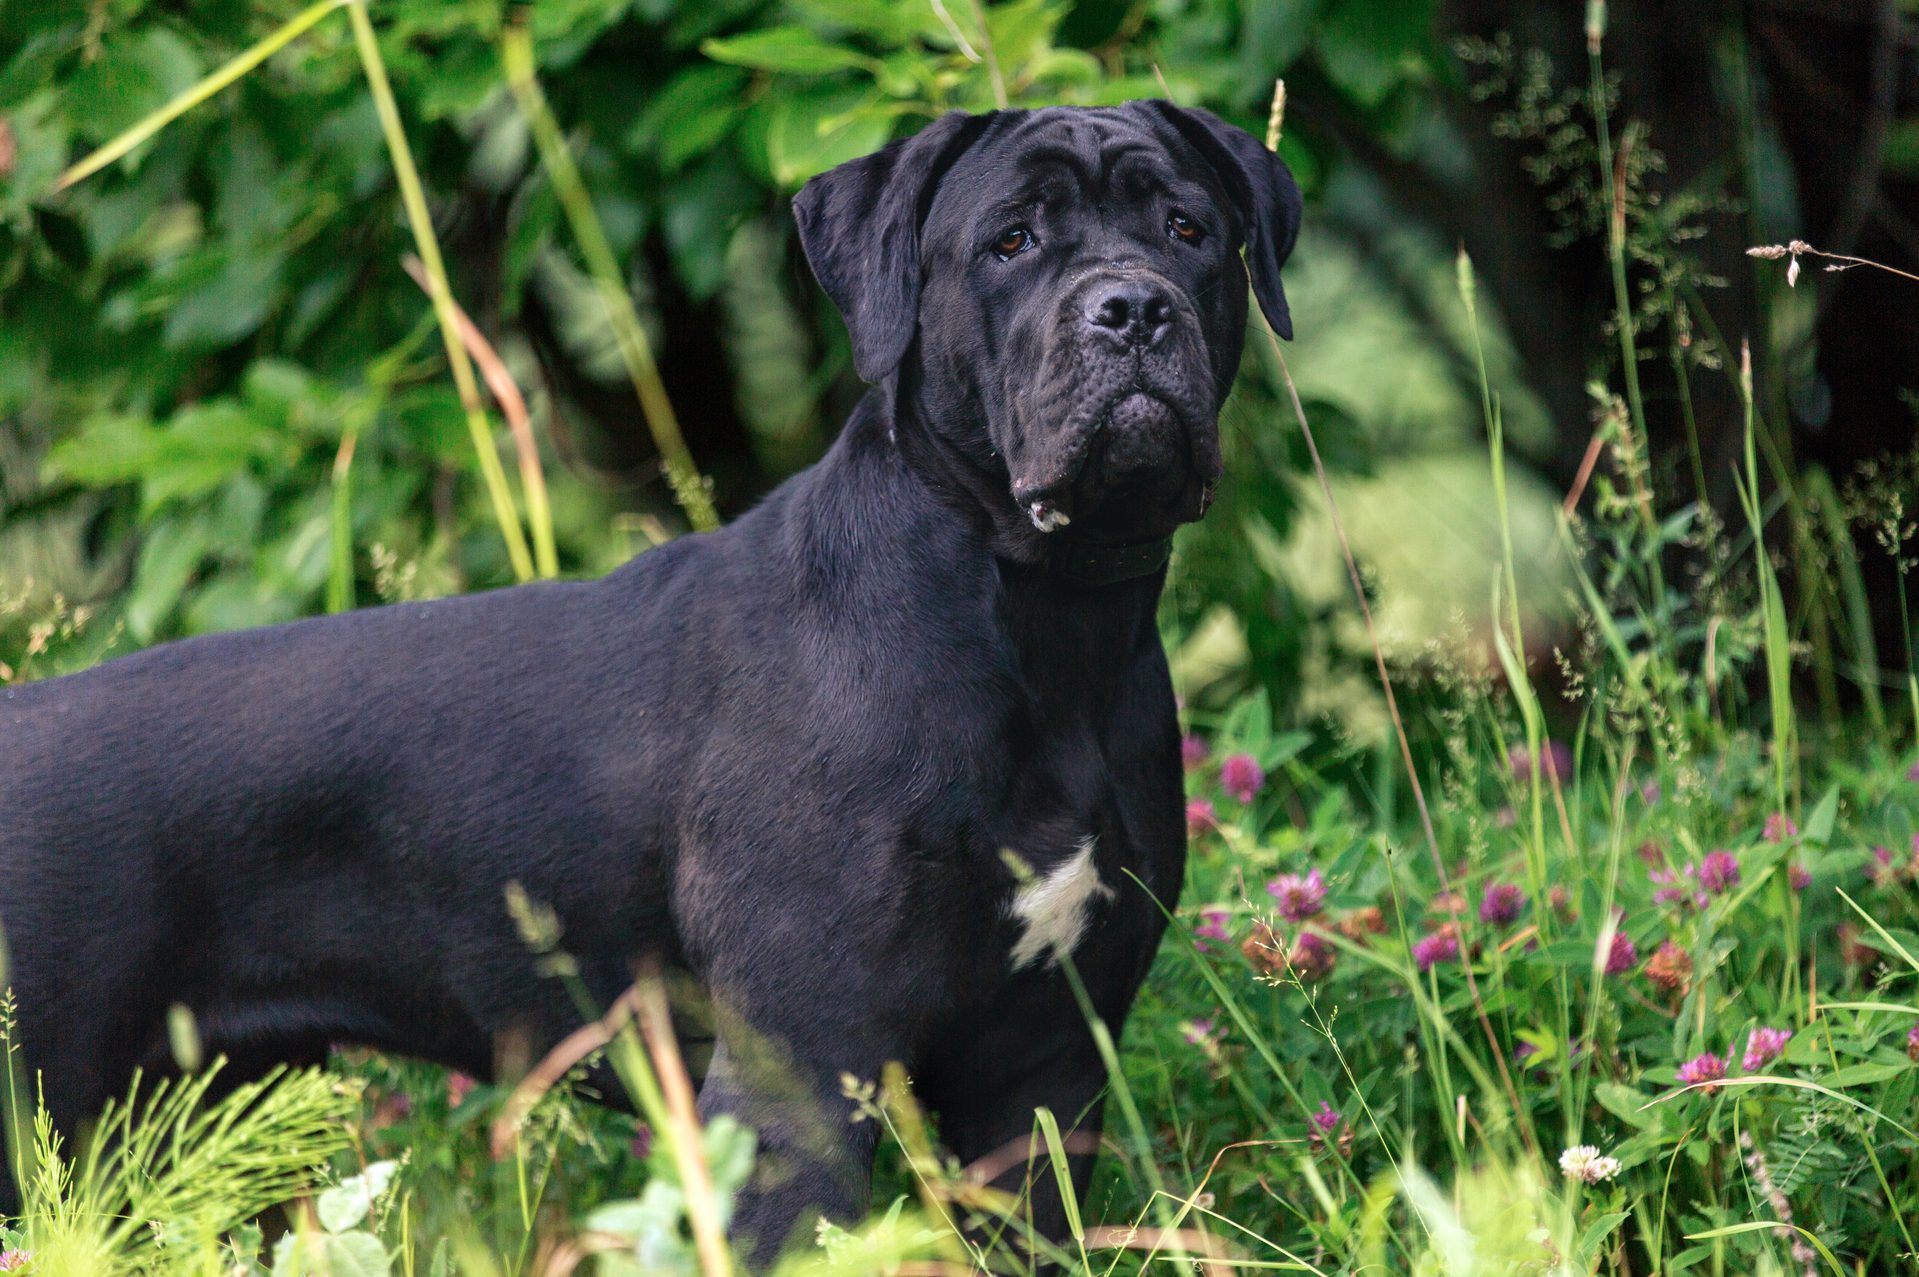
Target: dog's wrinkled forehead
862	224
1055	158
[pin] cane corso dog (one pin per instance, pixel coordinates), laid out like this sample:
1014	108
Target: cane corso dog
869	766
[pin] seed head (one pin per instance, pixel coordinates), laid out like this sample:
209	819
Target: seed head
1670	968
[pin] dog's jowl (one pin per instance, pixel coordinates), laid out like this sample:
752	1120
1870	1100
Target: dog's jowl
870	766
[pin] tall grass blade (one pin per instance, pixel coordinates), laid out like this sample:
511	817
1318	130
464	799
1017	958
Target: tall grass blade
413	198
1771	601
210	87
519	424
1733	1230
339	585
689	488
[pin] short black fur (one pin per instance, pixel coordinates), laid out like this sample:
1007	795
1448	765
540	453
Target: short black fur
784	758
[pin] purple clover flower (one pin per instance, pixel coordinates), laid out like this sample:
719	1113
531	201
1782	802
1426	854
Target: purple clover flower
1763	1047
1501	904
1193	752
1555	762
1799	877
1299	898
1881	873
1201	816
1212	926
1312	956
1719	872
1440	946
1623	956
1241	776
1675	887
1779	827
1703	1070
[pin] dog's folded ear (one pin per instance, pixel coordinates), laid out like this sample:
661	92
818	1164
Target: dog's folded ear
860	227
1263	190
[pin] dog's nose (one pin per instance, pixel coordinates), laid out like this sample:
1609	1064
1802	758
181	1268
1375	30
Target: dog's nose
1135	313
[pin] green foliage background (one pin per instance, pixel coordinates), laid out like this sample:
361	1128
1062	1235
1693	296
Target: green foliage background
186	338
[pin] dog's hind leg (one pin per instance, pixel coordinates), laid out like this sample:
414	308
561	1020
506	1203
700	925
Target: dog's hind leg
60	1059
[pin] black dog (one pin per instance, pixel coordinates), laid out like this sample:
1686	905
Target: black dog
787	758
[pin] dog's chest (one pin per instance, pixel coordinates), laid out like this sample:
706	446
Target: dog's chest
1051	910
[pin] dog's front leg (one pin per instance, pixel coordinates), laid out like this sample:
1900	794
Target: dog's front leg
987	1118
814	1159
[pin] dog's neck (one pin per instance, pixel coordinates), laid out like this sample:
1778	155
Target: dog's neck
978	487
1077	632
961	471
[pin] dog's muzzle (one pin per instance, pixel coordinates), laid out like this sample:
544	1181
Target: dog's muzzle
1136	440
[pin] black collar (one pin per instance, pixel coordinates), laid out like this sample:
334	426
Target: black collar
1086	560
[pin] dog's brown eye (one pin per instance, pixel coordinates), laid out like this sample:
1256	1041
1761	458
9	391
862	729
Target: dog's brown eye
1182	227
1013	241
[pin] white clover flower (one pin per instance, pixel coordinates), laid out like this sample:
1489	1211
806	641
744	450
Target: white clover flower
1584	1163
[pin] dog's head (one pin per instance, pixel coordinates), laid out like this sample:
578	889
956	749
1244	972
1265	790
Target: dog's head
1060	294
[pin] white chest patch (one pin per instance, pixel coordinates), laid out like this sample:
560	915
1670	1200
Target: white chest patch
1052	910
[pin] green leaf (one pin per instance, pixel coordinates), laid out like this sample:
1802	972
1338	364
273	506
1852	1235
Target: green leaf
1022	31
1824	816
345	1205
1065	67
200	449
331	1255
791	49
1866	1074
730	1149
169	553
1271	37
886	20
1368	47
1062	1170
692	113
229	299
1595	1234
812	133
1626	1104
1249	725
1691	1257
1733	1230
109	449
1901	153
136	73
